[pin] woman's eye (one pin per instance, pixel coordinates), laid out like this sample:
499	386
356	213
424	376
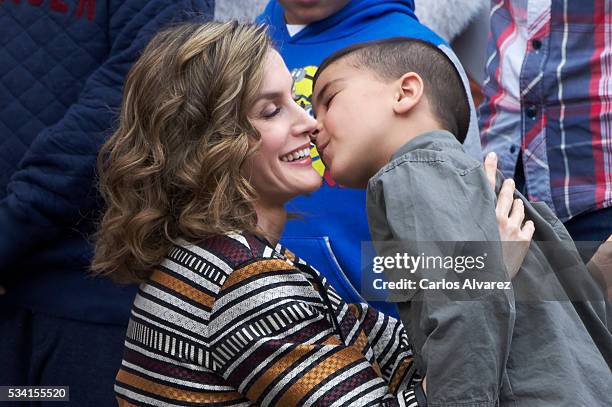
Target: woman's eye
271	112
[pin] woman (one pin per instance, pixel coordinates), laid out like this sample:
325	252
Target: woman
210	147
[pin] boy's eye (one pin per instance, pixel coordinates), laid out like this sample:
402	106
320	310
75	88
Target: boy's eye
329	99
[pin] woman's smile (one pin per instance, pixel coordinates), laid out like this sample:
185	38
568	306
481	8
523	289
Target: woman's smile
298	156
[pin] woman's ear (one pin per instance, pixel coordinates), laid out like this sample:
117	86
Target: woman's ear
409	91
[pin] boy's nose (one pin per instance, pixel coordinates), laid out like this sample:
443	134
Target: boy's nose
319	136
318	128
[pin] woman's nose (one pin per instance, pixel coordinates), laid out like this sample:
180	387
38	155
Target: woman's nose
304	123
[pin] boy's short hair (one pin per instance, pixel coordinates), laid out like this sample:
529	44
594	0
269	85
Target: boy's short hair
391	58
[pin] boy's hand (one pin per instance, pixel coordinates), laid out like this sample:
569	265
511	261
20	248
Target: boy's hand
510	213
600	267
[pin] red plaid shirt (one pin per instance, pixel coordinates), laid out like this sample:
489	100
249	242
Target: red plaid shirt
548	96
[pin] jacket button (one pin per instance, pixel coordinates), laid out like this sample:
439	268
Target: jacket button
531	112
536	44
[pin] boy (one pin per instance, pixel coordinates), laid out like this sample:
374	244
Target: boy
392	115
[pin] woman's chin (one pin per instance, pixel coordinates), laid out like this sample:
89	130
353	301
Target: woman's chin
308	184
313	187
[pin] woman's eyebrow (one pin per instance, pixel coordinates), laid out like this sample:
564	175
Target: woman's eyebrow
273	94
268	96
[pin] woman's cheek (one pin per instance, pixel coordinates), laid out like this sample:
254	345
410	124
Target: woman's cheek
275	142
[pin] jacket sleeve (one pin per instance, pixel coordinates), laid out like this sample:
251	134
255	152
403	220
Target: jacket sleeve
461	341
272	338
54	187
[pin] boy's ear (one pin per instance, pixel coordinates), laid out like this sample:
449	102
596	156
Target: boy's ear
409	91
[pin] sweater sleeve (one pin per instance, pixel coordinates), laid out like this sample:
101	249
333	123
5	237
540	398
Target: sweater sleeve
390	346
272	338
54	187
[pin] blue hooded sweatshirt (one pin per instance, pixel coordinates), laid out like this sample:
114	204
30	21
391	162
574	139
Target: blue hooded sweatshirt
335	223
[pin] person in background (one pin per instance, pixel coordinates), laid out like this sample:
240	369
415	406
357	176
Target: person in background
546	111
449	19
305	34
241	10
547	115
62	67
464	24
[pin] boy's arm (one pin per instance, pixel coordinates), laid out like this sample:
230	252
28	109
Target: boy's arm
462	343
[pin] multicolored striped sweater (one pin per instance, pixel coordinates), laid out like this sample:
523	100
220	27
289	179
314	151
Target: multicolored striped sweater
235	322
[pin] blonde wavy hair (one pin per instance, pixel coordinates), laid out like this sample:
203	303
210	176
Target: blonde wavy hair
172	169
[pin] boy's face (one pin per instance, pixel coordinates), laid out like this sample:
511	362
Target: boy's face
354	109
309	11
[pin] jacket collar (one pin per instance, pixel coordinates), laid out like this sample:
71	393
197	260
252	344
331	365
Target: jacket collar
430	140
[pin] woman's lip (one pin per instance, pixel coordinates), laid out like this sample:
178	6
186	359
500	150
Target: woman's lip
307	145
302	161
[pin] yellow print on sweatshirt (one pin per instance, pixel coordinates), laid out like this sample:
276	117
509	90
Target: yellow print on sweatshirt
302	88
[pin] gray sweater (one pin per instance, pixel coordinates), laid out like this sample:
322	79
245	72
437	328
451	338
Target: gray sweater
523	345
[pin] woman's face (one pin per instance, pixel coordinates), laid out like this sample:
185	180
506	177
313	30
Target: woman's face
281	169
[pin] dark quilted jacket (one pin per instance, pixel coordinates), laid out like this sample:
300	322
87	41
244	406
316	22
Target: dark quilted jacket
62	66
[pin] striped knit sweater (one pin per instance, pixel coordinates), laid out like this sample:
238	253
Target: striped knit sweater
235	322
